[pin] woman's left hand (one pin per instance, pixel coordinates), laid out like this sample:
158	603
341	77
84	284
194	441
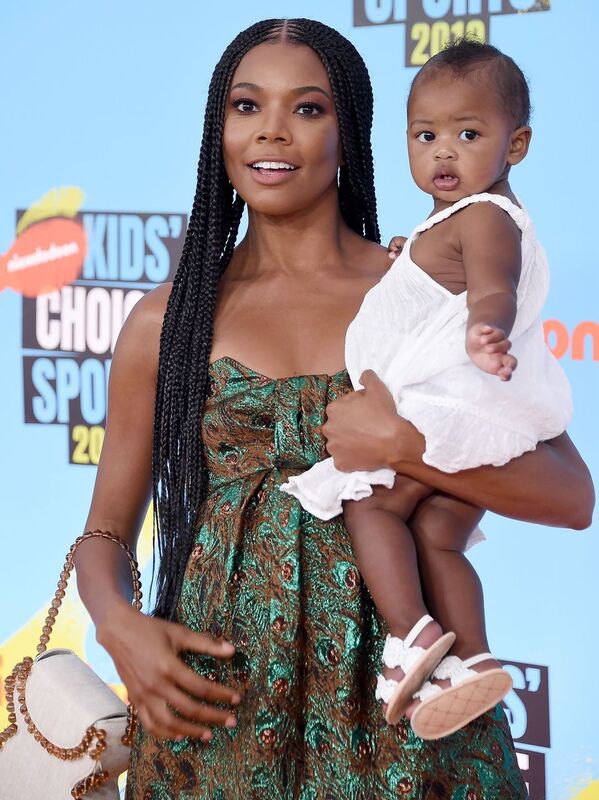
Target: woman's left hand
363	430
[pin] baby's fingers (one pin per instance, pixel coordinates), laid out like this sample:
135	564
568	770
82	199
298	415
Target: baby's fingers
492	335
395	246
508	365
501	346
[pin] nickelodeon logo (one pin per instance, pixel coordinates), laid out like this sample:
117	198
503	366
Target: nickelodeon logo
581	343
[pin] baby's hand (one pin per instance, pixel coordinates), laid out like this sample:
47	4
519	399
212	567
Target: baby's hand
488	346
395	246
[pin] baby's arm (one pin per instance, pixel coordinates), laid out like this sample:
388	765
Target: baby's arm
492	257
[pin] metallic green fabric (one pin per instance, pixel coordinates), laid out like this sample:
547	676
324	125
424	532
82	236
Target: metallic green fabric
284	588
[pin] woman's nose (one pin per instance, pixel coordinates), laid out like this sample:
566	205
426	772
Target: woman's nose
273	129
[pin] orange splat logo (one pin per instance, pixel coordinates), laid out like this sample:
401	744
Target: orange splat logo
50	247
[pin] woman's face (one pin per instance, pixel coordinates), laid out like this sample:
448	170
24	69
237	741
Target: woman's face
281	142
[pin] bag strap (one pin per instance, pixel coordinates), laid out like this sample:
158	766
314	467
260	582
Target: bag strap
66	574
18	677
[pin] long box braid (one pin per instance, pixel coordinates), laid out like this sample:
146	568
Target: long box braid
179	474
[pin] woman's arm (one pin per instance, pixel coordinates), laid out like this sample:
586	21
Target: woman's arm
549	486
145	650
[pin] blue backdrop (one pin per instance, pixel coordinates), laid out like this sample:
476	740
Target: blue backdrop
109	97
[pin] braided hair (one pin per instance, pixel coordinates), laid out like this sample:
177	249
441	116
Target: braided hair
179	472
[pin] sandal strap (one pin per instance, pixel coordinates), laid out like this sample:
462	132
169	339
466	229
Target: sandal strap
456	670
402	652
470	662
417	629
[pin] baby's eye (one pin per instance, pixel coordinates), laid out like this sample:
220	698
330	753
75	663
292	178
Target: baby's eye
468	136
309	110
426	136
244	105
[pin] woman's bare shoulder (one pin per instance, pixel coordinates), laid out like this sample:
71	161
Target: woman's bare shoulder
369	257
147	314
139	341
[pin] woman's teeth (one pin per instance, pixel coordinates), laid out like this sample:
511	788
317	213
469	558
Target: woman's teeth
272	165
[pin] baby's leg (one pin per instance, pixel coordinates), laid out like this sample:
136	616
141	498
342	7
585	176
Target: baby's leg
386	557
441	526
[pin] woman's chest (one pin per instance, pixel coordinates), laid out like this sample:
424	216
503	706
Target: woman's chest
285	328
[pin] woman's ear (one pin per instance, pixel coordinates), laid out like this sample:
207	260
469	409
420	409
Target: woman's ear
519	145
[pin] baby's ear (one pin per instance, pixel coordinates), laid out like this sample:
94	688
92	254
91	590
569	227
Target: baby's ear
519	144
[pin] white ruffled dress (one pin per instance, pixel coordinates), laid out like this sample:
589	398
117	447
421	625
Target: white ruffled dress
411	331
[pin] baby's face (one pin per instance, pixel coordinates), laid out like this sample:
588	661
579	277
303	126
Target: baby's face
459	137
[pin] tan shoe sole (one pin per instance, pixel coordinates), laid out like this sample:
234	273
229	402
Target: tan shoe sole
456	706
422	669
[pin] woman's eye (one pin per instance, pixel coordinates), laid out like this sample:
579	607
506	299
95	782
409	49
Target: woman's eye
426	136
468	136
309	110
243	105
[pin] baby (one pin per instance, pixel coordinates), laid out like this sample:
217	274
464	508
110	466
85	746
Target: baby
437	330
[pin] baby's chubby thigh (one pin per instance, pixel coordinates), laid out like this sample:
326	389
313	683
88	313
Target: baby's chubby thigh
400	500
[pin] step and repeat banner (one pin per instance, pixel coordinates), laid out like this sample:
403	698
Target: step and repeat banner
103	106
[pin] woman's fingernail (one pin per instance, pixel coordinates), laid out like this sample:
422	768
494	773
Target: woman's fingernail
231	722
179	738
206	736
235	700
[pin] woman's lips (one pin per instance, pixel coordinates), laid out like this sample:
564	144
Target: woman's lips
271	176
446	183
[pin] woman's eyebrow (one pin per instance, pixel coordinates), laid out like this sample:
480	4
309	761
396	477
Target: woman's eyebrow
244	85
297	91
308	89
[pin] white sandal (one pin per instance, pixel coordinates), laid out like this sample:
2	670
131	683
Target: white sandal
416	662
444	711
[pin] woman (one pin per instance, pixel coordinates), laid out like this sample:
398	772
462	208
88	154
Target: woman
249	358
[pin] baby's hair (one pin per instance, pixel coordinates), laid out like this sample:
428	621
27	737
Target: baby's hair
467	55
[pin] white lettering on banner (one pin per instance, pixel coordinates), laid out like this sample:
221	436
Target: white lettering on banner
72	318
523	765
79	320
42	255
47	331
523	760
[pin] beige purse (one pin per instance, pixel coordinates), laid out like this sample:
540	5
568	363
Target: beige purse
69	734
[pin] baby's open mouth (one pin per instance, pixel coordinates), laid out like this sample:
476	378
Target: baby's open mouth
446	181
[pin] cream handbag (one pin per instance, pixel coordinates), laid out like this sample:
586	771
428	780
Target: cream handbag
69	734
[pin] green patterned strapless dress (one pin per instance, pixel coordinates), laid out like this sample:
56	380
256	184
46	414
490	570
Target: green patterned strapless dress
284	588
